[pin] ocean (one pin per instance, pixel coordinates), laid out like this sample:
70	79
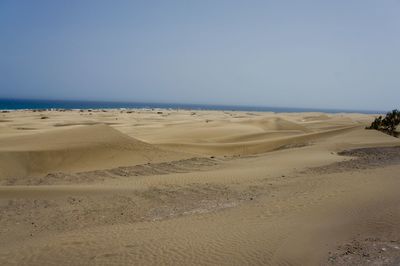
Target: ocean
21	104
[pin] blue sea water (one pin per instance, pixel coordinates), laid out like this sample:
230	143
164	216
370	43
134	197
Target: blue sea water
18	104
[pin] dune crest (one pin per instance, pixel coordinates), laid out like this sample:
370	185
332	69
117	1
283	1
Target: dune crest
277	123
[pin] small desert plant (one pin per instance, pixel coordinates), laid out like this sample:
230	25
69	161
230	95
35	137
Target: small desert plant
388	124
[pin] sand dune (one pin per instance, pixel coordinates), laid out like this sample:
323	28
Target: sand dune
321	117
260	145
277	123
176	187
74	149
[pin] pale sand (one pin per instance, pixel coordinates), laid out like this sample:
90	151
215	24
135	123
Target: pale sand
154	187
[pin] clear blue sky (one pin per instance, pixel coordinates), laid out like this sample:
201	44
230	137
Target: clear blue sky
323	54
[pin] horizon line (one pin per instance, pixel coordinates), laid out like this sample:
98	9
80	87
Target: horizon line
316	109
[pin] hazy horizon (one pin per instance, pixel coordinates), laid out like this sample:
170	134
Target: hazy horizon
161	104
313	54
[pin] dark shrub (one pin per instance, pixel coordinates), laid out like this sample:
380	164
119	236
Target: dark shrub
388	124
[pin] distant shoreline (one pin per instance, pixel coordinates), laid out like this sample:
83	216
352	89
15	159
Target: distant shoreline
30	104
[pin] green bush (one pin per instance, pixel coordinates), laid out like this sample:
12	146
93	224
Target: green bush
388	124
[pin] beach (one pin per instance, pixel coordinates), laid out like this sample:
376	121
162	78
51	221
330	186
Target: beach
196	187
